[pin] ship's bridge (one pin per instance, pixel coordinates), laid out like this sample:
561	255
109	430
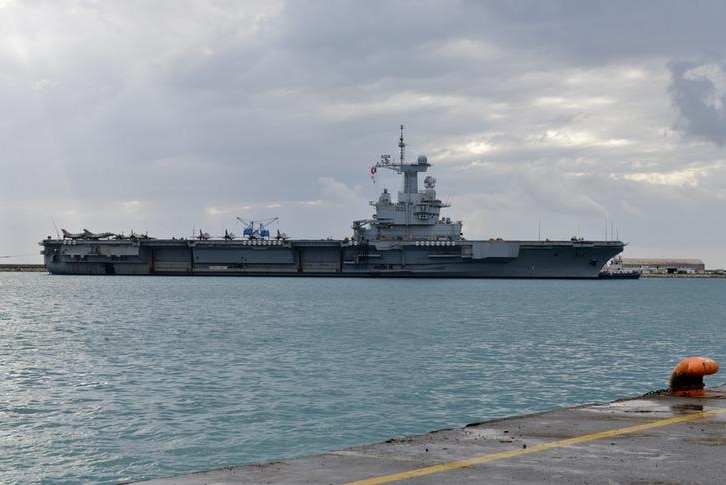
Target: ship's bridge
416	215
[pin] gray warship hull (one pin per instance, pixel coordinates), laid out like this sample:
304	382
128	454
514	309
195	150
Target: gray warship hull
407	237
449	259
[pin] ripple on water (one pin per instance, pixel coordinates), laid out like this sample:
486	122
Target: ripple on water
117	379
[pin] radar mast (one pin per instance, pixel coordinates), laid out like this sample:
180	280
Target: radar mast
401	145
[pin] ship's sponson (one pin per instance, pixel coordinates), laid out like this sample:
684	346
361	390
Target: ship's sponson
472	259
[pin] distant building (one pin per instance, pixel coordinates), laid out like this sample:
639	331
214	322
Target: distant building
664	265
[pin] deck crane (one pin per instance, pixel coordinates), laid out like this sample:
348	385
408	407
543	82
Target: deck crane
260	231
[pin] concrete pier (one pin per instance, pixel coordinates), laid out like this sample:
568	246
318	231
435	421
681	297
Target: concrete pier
651	439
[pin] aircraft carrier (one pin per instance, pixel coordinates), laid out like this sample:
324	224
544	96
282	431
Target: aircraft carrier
404	238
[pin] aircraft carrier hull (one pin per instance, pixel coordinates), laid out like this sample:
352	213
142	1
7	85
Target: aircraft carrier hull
448	259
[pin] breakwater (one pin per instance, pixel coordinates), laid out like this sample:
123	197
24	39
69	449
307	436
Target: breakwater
22	268
705	275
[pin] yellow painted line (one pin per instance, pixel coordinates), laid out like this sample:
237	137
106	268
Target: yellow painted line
533	449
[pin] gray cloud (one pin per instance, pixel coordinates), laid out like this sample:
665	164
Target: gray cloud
701	107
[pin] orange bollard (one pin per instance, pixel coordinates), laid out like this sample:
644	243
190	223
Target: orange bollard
687	377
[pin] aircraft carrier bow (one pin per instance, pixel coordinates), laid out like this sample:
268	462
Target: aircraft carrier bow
404	238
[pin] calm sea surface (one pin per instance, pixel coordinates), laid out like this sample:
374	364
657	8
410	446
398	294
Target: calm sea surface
106	379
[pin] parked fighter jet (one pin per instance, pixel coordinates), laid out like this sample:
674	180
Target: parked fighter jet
70	235
134	236
203	236
101	235
228	236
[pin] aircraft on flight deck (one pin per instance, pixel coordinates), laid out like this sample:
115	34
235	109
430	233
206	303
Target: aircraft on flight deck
70	235
101	235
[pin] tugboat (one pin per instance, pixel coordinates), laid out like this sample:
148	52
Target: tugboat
614	270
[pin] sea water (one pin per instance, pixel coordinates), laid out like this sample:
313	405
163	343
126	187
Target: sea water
108	379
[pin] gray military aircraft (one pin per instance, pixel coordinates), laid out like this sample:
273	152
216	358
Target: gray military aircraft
101	235
135	236
70	235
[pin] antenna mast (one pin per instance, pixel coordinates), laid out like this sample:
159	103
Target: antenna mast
56	228
539	229
401	144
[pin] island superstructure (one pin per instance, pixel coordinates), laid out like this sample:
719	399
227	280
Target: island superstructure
404	238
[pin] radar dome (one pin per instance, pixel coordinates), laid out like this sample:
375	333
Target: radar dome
422	160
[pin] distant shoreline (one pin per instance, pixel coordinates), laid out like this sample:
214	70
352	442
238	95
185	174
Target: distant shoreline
22	268
705	275
40	268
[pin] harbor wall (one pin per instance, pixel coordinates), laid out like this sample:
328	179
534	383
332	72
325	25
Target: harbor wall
22	268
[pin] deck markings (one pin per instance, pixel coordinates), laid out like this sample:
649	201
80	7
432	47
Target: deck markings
452	465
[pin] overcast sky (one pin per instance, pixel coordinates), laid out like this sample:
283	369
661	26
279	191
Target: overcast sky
168	116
